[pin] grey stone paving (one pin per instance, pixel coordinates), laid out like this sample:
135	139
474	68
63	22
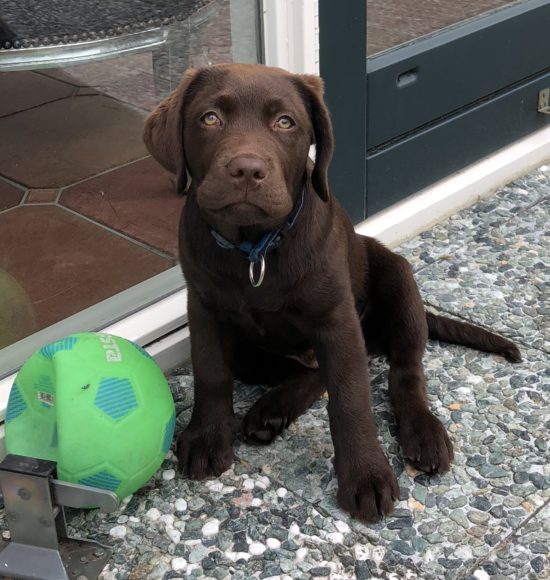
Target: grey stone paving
274	513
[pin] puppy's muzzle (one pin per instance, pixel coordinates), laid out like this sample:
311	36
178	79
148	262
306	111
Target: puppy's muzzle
247	172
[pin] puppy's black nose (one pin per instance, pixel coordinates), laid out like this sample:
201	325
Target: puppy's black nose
247	172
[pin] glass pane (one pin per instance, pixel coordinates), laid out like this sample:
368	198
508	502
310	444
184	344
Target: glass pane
394	22
85	213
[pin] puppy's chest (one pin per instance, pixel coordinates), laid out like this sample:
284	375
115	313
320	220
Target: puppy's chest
267	329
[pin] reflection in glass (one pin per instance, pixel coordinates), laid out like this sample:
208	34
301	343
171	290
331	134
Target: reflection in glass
85	213
394	22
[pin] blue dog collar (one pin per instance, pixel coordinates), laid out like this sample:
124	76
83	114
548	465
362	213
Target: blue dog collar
269	241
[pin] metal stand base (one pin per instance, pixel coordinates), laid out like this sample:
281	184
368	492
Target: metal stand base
76	559
39	546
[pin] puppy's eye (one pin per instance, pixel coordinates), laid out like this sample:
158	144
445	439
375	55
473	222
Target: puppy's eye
284	122
211	119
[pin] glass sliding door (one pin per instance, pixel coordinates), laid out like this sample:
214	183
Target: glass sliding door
85	213
443	84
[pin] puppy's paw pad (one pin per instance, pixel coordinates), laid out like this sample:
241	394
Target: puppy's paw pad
261	429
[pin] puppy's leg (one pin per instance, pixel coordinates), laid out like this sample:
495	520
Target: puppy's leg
205	446
281	405
367	486
424	442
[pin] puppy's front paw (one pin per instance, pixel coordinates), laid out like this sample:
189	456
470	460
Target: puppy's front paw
205	451
367	490
425	443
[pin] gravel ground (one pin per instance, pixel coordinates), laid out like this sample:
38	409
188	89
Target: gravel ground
273	515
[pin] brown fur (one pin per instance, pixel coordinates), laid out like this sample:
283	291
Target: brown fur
326	288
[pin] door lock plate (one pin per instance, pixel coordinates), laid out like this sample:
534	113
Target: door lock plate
544	101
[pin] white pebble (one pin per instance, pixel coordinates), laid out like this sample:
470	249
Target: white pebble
214	485
118	532
281	492
273	543
263	482
153	514
179	564
256	548
362	552
481	575
167	519
211	528
378	553
125	502
335	538
234	556
168	474
228	489
301	553
192	543
174	535
463	553
293	530
256	502
133	519
248	484
342	527
180	505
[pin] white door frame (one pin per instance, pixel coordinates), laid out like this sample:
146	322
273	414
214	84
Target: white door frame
291	39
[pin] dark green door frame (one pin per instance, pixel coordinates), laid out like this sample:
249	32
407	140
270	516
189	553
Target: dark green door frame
343	59
417	113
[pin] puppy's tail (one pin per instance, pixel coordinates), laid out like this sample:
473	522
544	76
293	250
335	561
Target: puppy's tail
458	332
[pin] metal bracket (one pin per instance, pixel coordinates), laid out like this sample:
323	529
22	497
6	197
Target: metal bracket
38	546
544	101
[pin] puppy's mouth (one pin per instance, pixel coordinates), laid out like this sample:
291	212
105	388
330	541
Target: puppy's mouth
242	213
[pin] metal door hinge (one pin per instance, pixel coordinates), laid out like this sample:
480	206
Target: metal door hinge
544	101
38	545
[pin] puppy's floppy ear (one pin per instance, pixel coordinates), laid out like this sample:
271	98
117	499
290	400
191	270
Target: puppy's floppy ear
312	87
163	131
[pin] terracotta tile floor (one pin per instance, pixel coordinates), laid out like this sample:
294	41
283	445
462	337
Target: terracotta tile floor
28	89
68	140
84	212
393	22
67	260
10	195
137	199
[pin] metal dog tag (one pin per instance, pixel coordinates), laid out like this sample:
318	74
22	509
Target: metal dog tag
251	275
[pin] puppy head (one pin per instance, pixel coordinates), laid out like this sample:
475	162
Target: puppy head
242	133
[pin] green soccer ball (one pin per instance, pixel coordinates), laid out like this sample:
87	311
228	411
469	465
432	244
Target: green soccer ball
99	406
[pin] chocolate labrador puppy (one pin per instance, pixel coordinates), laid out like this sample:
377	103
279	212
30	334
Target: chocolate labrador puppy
283	291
